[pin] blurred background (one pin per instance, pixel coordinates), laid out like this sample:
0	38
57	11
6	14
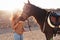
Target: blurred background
9	7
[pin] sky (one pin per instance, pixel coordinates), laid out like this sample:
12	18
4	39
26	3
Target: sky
18	4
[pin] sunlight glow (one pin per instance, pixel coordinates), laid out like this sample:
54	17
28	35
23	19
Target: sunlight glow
54	4
11	5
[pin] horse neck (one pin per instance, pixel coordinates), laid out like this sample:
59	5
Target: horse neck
40	16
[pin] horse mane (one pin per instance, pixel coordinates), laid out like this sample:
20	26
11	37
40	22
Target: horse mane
34	8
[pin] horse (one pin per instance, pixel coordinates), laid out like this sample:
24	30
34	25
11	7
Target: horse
41	15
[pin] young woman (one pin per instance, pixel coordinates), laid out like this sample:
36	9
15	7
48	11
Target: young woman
17	27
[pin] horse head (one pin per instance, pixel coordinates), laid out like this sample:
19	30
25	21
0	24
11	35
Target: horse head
32	10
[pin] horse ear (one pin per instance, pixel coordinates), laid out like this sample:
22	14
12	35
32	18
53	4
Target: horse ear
28	2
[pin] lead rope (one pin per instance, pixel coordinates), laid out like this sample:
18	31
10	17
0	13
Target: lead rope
30	29
29	25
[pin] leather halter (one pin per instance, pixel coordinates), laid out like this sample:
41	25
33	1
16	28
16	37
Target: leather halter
54	21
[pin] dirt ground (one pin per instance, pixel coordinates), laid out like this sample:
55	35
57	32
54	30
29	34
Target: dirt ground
7	34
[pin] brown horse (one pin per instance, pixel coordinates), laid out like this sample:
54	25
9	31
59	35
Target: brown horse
40	15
